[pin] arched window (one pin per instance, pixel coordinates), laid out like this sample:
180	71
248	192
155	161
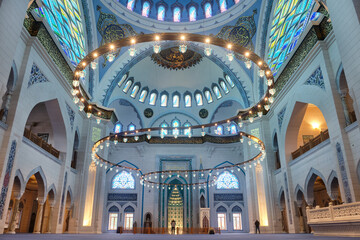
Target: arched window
113	218
177	14
187	101
176	101
187	131
236	1
175	124
289	20
208	96
131	127
122	80
146	9
130	5
217	92
134	91
164	125
224	87
233	129
143	95
64	18
227	180
123	180
219	130
75	151
152	99
192	14
127	86
199	99
221	217
208	10
161	13
236	212
118	127
164	100
223	5
230	82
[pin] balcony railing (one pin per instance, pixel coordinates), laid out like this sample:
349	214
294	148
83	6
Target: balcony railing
41	143
311	144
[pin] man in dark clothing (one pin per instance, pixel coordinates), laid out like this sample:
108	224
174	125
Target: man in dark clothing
257	226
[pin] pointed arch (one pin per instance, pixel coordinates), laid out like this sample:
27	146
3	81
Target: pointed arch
22	182
309	184
299	191
70	193
41	180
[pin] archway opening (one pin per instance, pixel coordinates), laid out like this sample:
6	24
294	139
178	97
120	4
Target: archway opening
68	213
276	152
307	128
317	192
12	221
335	191
284	220
346	99
301	212
75	151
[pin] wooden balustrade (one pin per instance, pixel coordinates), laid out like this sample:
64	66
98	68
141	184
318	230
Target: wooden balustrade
311	144
41	143
147	230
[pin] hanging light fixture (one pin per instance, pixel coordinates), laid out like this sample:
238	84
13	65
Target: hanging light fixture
208	49
76	99
251	119
136	138
132	50
269	82
261	73
271	99
230	54
157	47
76	83
182	46
148	136
125	140
272	91
267	107
248	64
98	120
115	141
88	114
93	65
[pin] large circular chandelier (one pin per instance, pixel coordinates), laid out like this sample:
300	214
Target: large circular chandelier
154	179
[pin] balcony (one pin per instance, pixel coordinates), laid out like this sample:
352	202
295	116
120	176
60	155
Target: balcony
311	144
41	143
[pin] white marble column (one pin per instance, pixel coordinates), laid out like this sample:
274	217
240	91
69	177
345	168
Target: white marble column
51	212
14	214
38	220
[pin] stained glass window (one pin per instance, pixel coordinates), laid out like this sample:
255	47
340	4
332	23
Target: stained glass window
192	14
208	96
164	125
177	14
129	221
123	78
187	101
290	18
224	87
143	95
199	99
131	127
219	130
227	180
187	131
161	13
127	86
146	9
217	92
175	124
230	82
176	101
208	10
113	217
64	18
130	4
237	1
152	99
123	180
237	221
134	91
233	129
164	100
223	5
118	127
221	221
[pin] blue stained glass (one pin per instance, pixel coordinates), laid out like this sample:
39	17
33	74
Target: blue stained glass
219	130
152	99
176	101
164	131
161	13
143	95
127	86
64	18
192	14
208	96
146	9
187	131
230	82
123	180
227	180
208	10
164	100
199	99
134	91
131	127
224	87
118	127
177	14
187	101
130	4
223	5
217	92
233	129
175	124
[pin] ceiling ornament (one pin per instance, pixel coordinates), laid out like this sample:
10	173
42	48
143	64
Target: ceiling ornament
173	59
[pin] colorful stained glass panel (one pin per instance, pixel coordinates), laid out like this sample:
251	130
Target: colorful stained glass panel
223	5
177	14
192	14
123	180
208	10
146	9
161	13
227	180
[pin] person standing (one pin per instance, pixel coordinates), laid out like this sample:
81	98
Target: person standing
257	226
173	224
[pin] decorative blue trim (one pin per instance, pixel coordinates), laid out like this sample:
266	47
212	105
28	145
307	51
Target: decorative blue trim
316	79
343	173
71	114
36	76
281	115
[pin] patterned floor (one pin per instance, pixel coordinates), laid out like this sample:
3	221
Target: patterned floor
170	237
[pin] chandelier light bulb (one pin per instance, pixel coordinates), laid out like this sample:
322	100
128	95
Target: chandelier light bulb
183	48
251	119
110	57
76	83
125	140
81	107
248	64
189	135
136	138
98	120
261	73
175	136
260	113
93	65
101	147
203	133
240	124
76	100
107	144
82	74
249	142
132	51
230	56
208	51
148	136
272	91
115	142
74	92
241	140
157	48
186	175
269	82
271	99
267	107
88	115
162	135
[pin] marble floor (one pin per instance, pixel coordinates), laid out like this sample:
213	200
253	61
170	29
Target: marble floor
234	236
